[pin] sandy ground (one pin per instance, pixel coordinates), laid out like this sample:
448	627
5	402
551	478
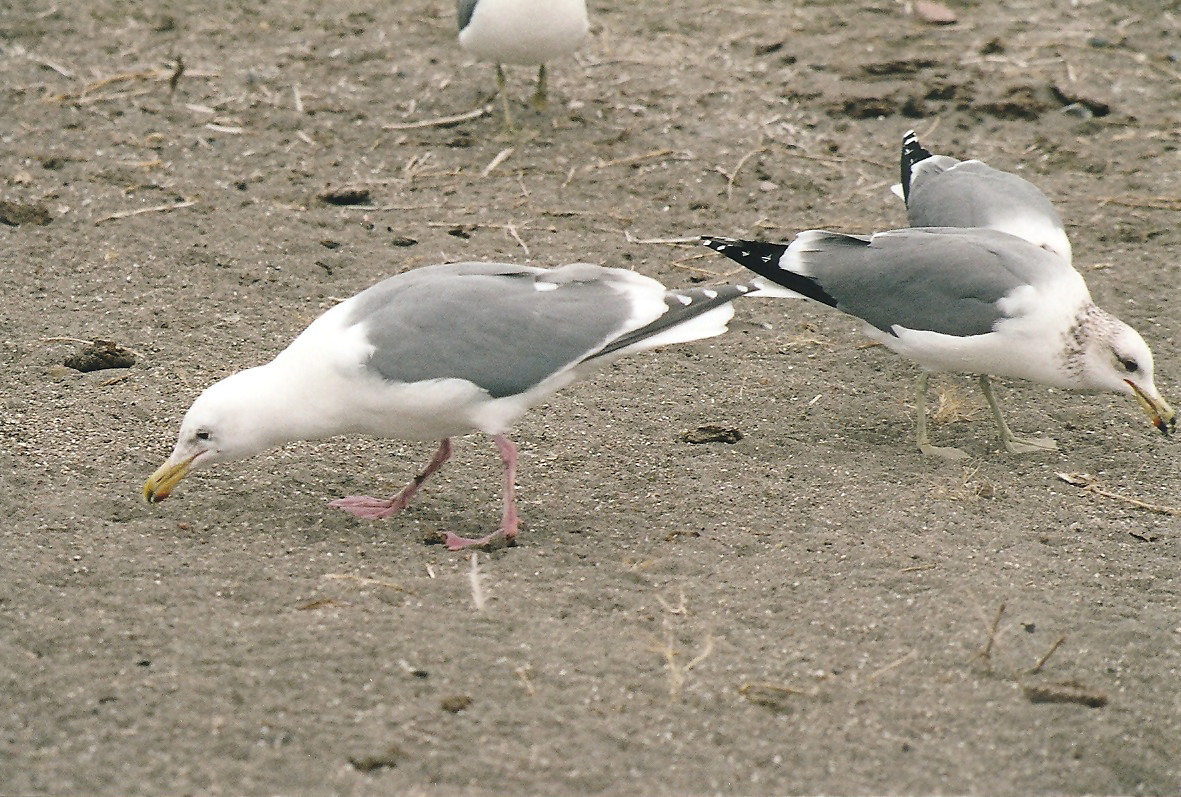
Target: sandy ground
805	610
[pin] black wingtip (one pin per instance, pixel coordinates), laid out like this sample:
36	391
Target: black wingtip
912	153
758	256
683	304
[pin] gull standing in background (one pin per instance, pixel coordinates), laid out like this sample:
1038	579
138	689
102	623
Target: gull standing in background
965	301
941	191
521	32
437	352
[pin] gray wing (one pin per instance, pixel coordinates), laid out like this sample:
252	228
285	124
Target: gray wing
466	7
487	323
940	280
971	194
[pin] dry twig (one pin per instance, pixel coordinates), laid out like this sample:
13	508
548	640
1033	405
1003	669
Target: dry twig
1087	483
126	214
442	121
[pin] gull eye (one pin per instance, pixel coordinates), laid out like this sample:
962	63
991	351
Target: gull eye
204	434
1129	365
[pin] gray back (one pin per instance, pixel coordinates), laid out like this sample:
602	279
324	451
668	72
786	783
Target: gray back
492	328
941	280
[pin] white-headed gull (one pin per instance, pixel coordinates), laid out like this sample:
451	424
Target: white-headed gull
965	300
941	191
521	32
437	352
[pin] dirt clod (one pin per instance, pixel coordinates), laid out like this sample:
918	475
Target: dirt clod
99	355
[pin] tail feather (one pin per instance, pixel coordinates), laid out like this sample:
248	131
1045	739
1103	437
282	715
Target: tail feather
912	153
770	260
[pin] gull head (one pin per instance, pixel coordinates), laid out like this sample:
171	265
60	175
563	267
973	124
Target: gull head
1119	360
233	419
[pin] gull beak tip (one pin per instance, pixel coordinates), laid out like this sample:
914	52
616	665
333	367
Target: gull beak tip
161	483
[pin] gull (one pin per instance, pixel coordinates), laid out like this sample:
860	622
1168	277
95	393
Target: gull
965	300
437	352
521	32
941	191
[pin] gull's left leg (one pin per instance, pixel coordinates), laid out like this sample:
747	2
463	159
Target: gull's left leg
509	519
539	100
363	506
920	400
502	90
1012	443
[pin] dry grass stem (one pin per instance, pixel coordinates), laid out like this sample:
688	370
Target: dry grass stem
684	265
1087	483
752	686
732	176
512	230
808	340
178	69
952	407
500	158
678	609
633	159
678	672
442	121
476	579
523	673
891	666
1046	657
992	633
692	239
1154	202
367	582
126	214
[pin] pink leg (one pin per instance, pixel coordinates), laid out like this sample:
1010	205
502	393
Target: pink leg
372	508
509	520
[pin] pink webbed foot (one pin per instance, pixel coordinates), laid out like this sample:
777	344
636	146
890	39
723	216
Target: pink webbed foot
507	533
369	508
497	539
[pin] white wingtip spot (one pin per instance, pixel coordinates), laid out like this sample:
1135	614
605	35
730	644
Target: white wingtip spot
710	294
545	286
685	300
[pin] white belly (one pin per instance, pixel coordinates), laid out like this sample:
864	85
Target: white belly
524	31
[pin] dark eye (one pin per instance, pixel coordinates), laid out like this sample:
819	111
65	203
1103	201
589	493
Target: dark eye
1129	365
204	434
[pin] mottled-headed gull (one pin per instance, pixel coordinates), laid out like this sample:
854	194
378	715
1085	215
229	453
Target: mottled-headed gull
437	352
941	191
965	300
521	32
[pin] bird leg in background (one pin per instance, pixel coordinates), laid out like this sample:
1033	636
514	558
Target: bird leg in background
1013	444
925	446
540	101
509	129
508	524
364	506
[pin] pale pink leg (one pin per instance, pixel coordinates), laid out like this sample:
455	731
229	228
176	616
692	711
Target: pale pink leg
373	508
509	520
